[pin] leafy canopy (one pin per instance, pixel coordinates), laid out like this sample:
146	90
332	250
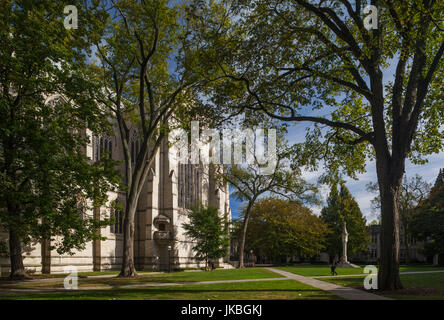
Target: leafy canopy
209	231
280	227
47	103
341	207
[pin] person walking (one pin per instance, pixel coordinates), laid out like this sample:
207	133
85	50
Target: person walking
333	267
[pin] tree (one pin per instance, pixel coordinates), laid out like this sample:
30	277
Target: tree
282	227
47	104
322	62
412	192
342	207
209	231
144	61
250	184
427	221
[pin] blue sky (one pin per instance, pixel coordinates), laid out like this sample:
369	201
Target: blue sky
296	133
428	171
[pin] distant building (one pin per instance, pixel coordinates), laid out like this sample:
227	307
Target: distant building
412	251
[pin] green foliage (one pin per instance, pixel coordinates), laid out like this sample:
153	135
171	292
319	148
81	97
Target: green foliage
281	227
210	233
341	207
428	220
298	60
47	103
368	93
144	63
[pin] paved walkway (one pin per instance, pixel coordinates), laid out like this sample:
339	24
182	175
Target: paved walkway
343	292
366	274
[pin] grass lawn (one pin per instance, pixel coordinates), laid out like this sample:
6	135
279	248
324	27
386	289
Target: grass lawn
63	275
324	270
230	274
282	289
89	274
416	286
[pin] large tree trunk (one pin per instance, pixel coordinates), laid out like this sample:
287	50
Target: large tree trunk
46	256
15	253
389	178
128	268
45	250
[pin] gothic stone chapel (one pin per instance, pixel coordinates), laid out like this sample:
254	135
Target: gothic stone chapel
171	190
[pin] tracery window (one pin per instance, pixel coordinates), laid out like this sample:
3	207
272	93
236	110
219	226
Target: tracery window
189	185
117	227
102	145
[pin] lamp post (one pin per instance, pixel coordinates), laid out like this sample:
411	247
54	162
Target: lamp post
169	258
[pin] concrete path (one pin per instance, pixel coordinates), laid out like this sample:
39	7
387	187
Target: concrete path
343	292
366	274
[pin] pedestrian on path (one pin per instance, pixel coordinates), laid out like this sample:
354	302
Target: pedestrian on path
333	267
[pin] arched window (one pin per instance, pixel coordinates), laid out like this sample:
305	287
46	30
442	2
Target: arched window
189	181
117	226
102	145
134	145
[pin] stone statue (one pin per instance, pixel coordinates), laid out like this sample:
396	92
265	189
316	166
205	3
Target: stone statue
343	263
344	243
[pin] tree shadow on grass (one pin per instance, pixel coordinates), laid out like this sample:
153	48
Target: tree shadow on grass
174	293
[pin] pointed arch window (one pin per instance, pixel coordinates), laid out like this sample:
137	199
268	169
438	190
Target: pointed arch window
189	182
117	226
102	145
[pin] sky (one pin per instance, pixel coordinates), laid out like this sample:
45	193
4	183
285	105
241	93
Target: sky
428	172
296	133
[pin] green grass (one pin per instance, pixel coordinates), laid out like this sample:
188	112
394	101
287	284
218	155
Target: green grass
416	286
419	267
267	290
316	270
63	275
230	274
